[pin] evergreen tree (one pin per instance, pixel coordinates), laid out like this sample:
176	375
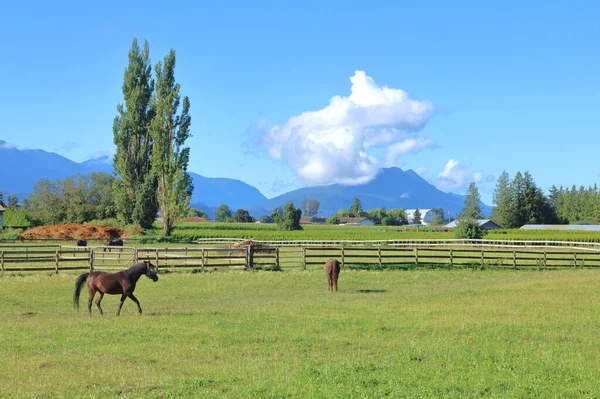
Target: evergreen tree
517	190
2	204
356	208
468	220
502	212
169	132
416	219
13	202
290	219
472	204
135	190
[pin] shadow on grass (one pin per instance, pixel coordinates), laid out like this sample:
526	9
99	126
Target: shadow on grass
371	291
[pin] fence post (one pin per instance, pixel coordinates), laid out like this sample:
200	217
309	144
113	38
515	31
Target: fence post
250	257
2	260
136	257
574	259
156	259
342	256
379	254
304	258
277	257
482	258
451	260
202	258
56	262
416	255
91	259
544	257
514	259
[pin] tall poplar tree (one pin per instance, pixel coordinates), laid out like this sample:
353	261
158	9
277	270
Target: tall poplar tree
169	132
135	190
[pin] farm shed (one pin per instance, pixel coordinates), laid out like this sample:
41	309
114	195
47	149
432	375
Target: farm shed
427	215
1	217
583	227
353	221
486	224
313	220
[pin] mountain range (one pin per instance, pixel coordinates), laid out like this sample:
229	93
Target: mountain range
391	188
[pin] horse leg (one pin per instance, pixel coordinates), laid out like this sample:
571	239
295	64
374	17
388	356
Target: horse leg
123	297
100	296
90	299
134	299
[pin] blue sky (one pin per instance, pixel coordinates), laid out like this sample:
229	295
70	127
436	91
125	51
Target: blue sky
458	91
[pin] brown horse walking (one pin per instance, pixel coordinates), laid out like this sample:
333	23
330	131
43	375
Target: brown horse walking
332	271
122	283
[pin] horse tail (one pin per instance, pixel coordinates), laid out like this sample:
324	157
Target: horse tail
78	284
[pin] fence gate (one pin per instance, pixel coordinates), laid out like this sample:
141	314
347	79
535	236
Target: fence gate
113	257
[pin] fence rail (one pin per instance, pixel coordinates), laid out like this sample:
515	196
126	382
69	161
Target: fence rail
54	257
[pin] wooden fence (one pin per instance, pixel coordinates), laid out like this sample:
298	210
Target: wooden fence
18	258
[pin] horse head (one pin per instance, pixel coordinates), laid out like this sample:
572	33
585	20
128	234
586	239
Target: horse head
150	271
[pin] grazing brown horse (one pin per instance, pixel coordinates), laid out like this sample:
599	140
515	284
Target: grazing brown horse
332	271
122	283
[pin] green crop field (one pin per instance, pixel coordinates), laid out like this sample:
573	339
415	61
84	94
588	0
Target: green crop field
194	231
419	333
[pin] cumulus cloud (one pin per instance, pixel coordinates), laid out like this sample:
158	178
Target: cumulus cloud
330	145
456	177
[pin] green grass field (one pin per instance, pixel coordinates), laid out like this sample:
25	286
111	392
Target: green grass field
420	333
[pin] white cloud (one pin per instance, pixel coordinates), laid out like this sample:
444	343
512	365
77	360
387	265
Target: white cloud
7	146
330	145
413	145
421	170
102	156
456	177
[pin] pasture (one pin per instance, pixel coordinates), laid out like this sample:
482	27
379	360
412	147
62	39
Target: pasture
418	333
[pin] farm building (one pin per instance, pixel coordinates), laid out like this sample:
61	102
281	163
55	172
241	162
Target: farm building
583	227
427	215
1	217
353	221
486	224
195	220
313	220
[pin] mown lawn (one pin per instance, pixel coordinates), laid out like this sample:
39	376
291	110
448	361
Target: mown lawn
420	333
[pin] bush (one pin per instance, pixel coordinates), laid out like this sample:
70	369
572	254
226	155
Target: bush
469	229
9	234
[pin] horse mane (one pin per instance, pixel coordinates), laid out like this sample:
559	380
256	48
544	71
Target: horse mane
139	267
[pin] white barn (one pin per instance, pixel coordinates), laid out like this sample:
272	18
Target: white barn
427	215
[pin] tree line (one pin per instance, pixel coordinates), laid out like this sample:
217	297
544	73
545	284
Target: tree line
520	201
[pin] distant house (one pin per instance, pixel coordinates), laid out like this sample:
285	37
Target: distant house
356	221
584	227
195	220
1	217
427	216
313	220
486	224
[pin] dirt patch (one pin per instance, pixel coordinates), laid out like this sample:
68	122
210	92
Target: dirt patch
73	231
